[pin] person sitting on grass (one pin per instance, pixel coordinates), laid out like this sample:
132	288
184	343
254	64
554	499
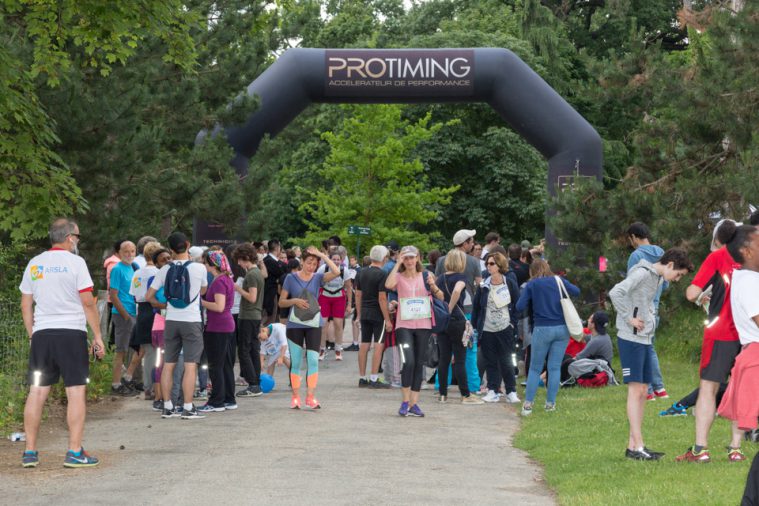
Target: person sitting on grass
633	298
274	350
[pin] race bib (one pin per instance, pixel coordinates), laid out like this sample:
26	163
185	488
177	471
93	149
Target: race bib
314	322
501	296
415	308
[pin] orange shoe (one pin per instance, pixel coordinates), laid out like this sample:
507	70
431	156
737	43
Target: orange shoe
295	402
735	455
312	403
701	457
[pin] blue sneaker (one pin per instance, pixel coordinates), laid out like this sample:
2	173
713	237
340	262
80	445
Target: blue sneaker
207	408
415	411
230	405
30	459
404	409
81	459
675	410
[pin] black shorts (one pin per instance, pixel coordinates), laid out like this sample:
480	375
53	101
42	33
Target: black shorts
721	361
143	329
59	352
371	330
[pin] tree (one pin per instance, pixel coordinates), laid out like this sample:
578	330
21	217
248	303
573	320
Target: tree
372	180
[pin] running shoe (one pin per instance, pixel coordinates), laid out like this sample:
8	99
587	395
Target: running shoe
157	405
230	406
642	454
295	402
735	455
650	397
338	355
200	395
322	354
123	391
675	410
690	455
352	347
170	413
30	458
81	459
251	391
661	394
491	396
416	411
526	409
207	408
550	407
471	399
312	403
378	385
192	414
404	409
512	398
363	382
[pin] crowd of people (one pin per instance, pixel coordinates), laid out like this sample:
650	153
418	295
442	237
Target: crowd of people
183	316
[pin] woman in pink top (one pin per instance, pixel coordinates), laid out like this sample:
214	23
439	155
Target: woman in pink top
413	323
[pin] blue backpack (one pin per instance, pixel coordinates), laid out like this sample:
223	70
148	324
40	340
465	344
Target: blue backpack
440	314
176	287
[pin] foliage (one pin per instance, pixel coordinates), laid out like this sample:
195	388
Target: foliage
372	180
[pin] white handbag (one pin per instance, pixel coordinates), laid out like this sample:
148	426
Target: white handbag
571	317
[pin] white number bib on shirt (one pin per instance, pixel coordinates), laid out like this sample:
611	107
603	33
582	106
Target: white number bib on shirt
415	308
501	296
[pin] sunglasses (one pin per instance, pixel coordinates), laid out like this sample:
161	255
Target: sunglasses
76	235
490	263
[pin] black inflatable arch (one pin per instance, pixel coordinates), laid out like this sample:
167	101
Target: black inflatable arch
496	76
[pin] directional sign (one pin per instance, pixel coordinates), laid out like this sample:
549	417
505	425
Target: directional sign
356	230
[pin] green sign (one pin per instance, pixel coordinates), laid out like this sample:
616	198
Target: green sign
356	230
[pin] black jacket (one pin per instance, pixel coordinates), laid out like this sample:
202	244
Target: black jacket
480	304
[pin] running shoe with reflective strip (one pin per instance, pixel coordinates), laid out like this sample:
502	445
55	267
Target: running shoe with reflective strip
81	459
735	455
674	410
295	402
30	459
701	457
312	403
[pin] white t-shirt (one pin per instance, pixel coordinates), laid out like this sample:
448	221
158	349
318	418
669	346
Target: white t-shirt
276	341
236	304
336	284
744	300
140	261
139	286
198	279
54	279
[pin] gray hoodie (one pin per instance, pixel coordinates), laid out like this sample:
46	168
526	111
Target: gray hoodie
638	290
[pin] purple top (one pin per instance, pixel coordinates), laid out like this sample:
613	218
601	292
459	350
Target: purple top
221	322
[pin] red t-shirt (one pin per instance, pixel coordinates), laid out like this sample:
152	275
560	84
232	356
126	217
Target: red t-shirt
717	270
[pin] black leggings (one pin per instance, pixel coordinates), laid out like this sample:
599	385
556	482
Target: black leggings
309	338
249	349
449	343
413	350
690	400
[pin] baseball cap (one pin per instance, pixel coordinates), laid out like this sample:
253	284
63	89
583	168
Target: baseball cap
463	236
600	320
392	245
526	244
409	251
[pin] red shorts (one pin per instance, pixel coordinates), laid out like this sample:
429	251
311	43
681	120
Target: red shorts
333	307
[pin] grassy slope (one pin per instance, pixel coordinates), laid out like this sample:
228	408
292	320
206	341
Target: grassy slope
581	445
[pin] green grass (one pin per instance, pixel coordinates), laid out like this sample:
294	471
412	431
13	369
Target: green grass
581	445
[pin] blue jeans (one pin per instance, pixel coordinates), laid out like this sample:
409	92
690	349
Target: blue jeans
550	342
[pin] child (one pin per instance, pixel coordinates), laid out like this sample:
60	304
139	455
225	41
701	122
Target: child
633	299
274	349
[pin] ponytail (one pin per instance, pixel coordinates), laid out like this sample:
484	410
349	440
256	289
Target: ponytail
740	239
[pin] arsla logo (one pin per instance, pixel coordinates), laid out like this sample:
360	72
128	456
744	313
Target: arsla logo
36	272
136	282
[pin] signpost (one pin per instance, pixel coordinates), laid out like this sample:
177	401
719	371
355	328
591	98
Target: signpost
359	231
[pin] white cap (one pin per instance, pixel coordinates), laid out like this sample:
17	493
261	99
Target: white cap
196	252
463	236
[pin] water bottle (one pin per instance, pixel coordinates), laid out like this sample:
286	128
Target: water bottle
17	436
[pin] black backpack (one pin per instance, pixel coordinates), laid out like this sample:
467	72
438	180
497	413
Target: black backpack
176	287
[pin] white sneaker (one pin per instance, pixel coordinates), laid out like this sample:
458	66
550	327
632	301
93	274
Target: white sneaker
512	398
491	396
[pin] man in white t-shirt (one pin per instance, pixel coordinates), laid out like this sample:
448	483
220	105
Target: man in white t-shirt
57	304
184	328
744	296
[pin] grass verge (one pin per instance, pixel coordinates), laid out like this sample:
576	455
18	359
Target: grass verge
581	445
